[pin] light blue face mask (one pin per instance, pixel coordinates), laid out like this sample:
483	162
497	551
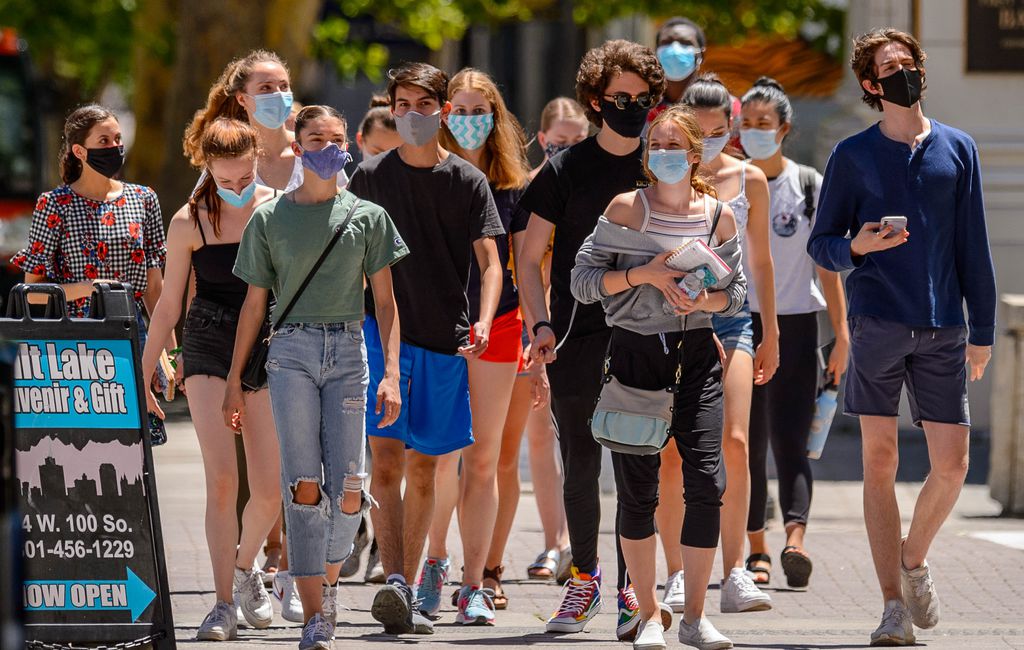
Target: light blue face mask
678	60
471	131
669	166
759	144
714	146
234	199
272	109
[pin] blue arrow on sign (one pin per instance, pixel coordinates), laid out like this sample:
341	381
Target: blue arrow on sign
131	594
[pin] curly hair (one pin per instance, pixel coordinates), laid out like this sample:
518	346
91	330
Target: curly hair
221	101
504	155
683	117
862	60
601	64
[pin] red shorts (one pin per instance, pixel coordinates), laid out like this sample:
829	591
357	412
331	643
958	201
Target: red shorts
506	342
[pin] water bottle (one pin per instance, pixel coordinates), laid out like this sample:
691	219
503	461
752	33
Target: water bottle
824	412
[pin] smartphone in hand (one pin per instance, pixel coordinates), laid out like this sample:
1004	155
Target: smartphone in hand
898	224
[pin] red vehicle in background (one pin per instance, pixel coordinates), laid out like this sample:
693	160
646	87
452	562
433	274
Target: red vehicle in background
21	148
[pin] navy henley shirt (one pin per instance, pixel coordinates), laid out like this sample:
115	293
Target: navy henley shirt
945	262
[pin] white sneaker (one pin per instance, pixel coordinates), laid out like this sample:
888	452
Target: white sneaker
288	596
896	628
675	592
329	604
922	599
253	598
650	636
220	624
702	635
740	594
317	634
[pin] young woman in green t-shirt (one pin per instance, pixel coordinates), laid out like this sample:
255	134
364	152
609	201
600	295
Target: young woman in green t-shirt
316	366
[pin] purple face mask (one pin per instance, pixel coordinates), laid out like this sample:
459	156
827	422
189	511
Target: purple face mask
327	162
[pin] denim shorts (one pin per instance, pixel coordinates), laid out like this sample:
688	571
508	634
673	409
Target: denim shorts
318	376
208	339
736	332
931	361
435	417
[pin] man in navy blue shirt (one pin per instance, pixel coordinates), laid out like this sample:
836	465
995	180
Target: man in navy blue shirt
907	296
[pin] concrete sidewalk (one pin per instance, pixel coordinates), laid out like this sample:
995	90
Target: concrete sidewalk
981	582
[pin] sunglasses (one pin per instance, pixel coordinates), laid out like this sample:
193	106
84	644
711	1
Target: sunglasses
623	100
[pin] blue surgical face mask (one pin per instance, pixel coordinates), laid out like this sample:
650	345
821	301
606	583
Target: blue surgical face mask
272	109
669	166
234	199
714	146
759	144
471	131
678	60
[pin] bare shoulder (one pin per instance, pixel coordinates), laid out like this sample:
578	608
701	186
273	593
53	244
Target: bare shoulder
182	227
726	229
626	210
756	177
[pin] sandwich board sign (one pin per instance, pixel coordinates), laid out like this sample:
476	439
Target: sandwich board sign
92	551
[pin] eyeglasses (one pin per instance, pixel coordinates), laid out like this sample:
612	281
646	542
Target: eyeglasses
623	100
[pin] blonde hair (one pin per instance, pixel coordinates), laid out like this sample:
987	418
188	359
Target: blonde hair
562	108
221	101
683	117
504	157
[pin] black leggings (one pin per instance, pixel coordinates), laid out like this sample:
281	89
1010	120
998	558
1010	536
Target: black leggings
782	411
575	384
641	362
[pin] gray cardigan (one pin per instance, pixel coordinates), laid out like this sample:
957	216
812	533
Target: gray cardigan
644	309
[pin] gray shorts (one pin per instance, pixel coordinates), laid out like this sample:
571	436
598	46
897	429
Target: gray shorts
931	361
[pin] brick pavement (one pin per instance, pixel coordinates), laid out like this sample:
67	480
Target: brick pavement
981	583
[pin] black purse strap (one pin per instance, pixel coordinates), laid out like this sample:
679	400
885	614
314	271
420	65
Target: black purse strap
316	267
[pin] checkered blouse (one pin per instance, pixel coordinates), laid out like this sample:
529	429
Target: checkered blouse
75	239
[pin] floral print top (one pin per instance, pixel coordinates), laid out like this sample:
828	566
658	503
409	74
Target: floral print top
76	239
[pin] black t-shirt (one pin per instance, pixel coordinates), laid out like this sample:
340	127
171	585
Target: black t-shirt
439	211
513	220
571	191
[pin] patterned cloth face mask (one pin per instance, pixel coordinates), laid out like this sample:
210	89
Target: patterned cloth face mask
471	131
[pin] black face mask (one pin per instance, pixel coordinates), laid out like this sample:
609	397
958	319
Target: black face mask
107	161
628	123
902	87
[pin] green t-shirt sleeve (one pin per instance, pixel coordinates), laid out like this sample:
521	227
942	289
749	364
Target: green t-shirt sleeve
253	263
384	245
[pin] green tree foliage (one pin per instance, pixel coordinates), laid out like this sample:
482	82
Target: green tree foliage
80	45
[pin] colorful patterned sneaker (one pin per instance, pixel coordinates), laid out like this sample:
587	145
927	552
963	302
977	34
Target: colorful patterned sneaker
253	598
221	624
629	611
432	580
675	592
476	606
895	628
286	593
317	634
581	601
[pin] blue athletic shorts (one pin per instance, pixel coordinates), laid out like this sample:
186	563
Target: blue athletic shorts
435	416
736	332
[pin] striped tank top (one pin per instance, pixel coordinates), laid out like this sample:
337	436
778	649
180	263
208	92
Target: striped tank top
674	230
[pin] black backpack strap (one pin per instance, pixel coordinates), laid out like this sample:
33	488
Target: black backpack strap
807	175
715	219
316	267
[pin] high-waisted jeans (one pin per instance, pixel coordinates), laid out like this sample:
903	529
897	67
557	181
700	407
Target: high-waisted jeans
318	377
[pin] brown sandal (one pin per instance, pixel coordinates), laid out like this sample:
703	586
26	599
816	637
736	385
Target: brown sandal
500	600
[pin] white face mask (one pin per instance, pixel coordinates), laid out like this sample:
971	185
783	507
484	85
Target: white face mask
759	144
714	146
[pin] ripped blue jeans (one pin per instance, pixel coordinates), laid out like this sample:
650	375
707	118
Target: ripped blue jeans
318	377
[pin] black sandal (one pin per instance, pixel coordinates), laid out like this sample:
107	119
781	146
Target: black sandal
797	567
761	575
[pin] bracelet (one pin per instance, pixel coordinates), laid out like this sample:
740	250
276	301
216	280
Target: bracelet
541	323
627	279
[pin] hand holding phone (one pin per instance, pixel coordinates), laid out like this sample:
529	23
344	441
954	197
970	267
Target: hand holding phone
897	223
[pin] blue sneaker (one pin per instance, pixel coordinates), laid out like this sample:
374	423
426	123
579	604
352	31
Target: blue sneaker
432	579
476	606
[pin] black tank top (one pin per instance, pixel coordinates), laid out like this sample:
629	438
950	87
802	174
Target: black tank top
215	281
